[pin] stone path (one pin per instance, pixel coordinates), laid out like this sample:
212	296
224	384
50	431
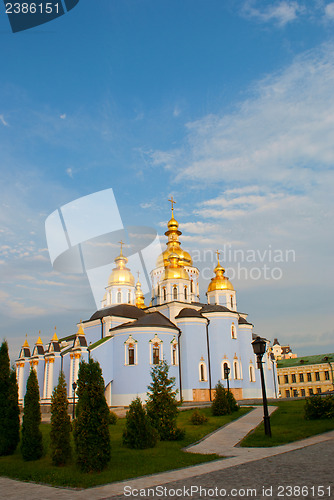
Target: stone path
221	442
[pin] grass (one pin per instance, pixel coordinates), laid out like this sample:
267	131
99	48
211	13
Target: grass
125	463
287	425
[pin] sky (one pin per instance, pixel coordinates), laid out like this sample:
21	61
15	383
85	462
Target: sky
228	106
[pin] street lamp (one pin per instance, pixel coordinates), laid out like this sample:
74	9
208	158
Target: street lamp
272	357
74	386
259	348
226	375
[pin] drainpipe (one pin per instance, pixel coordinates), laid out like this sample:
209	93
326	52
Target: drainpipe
101	319
180	376
209	361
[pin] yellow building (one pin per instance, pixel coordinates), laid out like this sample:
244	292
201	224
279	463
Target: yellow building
306	376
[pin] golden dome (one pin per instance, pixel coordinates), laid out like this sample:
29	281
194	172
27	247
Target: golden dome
26	342
139	295
175	270
220	282
54	338
121	275
173	244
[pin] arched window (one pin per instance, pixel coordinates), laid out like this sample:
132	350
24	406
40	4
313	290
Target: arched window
251	373
233	332
185	293
164	294
131	353
226	366
231	301
119	297
156	354
191	286
202	372
174	293
235	369
129	297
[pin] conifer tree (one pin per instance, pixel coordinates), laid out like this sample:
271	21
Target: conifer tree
91	431
31	444
139	433
162	405
224	402
9	406
60	424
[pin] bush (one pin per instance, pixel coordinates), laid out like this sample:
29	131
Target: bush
139	433
9	405
224	402
91	426
60	424
31	445
319	407
162	405
112	418
197	418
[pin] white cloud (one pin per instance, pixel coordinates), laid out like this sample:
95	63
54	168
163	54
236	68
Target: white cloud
3	121
69	172
282	12
63	116
329	11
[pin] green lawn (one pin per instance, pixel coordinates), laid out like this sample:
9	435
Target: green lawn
125	463
287	425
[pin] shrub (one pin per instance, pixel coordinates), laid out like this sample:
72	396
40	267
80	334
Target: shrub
139	433
60	424
319	407
9	406
112	418
224	402
31	445
91	431
197	418
162	405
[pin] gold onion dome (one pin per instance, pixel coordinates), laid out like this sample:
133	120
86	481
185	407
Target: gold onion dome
220	282
173	244
139	295
121	275
175	270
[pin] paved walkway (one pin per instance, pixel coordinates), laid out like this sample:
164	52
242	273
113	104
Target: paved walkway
222	442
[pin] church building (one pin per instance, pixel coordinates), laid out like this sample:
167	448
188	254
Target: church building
197	340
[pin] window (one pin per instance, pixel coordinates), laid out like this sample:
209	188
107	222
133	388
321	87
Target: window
131	355
202	372
286	379
164	294
279	379
295	393
185	293
319	390
293	378
191	286
233	332
174	355
119	297
310	392
235	369
301	377
174	293
251	373
317	376
302	392
156	355
129	297
327	375
231	301
225	366
174	352
287	393
309	377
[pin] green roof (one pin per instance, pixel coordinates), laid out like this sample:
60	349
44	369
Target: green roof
101	341
306	360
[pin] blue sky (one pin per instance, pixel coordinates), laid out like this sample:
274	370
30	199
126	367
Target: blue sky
226	105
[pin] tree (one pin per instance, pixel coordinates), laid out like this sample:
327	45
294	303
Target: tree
60	424
224	402
162	405
91	430
139	432
9	405
32	444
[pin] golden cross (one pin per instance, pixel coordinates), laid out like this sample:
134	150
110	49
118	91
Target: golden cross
172	202
218	253
138	274
121	243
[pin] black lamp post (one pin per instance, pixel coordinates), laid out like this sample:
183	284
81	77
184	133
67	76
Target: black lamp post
272	357
226	375
74	386
259	348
